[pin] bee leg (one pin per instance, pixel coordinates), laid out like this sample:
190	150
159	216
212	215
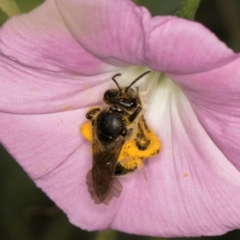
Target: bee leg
139	103
146	141
133	116
142	141
91	113
141	166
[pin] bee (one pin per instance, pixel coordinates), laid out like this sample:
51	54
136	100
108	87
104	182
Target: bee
120	138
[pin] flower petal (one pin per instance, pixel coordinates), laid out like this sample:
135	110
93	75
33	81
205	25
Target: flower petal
192	188
189	187
121	32
43	68
49	46
111	30
32	91
215	97
59	162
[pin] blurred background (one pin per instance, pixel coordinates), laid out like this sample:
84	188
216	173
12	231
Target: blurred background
25	211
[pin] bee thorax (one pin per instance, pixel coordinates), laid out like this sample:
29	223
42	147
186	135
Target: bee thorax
110	126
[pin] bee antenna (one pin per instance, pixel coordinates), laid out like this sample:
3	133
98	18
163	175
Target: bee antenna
143	74
113	78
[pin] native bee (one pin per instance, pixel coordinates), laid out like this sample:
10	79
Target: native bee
120	138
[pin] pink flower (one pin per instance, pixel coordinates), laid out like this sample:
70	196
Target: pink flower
57	61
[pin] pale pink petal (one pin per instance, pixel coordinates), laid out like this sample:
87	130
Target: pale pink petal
174	46
51	150
43	68
187	193
110	29
215	97
41	40
120	32
28	90
192	188
189	189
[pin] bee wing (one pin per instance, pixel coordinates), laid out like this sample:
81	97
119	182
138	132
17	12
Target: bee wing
102	184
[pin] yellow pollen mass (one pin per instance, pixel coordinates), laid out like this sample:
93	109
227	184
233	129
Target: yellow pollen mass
131	156
86	130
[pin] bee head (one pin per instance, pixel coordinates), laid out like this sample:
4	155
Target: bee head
125	97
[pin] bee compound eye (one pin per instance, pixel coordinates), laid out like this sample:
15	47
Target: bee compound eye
133	102
128	103
110	95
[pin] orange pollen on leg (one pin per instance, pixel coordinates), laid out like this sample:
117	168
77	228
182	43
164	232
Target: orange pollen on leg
86	130
131	156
